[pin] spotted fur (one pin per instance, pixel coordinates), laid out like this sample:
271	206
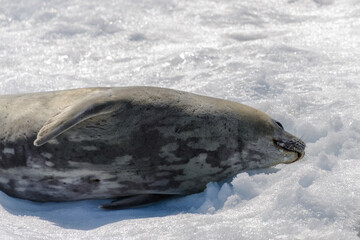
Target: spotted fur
119	142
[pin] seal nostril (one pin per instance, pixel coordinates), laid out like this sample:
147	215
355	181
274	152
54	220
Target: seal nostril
292	145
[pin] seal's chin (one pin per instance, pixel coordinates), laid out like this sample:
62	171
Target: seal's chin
289	147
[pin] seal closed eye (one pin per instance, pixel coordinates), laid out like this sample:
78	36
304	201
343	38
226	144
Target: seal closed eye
134	144
279	124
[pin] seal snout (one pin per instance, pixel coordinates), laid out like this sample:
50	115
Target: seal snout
293	145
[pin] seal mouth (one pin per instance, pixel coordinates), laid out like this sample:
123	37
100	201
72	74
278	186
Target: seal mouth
291	146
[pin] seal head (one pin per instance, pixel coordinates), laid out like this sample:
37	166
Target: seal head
265	142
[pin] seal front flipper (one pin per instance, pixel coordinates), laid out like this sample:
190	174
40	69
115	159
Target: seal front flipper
93	105
134	201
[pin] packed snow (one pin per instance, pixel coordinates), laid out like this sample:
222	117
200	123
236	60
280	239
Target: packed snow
297	60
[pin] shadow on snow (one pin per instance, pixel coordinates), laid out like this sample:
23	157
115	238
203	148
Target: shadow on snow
85	214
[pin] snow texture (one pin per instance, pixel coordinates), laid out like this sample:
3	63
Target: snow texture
297	60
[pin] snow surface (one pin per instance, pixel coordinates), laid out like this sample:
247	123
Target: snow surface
297	60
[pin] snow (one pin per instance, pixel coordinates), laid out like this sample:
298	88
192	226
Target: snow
296	60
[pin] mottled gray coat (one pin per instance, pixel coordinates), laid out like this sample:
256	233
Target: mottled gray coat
116	142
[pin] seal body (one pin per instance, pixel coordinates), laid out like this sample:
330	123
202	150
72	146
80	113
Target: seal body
132	141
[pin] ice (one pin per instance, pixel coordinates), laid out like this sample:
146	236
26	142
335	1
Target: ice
296	60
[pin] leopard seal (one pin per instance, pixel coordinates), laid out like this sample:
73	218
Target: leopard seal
135	144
